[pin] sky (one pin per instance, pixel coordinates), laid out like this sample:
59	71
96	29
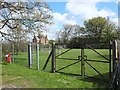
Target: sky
77	11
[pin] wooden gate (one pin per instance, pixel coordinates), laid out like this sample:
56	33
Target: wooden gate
115	79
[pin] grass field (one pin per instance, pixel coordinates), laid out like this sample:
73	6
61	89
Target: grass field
19	75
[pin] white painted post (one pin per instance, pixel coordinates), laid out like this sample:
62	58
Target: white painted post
37	50
116	48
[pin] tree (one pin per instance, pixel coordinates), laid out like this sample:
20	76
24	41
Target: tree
110	31
29	14
100	27
119	33
21	18
68	32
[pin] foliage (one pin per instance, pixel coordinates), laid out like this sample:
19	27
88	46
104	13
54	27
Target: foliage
100	27
7	47
68	32
119	33
78	42
97	29
24	15
20	20
95	26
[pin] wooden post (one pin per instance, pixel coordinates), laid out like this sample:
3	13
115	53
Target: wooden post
82	63
119	72
53	58
37	56
110	44
119	63
114	56
30	55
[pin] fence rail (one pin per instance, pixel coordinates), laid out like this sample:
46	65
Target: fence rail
114	77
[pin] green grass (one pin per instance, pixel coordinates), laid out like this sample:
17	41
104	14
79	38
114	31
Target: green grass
19	75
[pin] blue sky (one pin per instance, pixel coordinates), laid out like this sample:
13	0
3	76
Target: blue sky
57	7
60	6
76	12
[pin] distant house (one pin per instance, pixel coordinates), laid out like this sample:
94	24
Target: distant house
41	39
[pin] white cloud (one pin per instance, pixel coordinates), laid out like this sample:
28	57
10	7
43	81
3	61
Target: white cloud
51	31
88	10
115	20
106	13
62	0
79	0
59	20
79	11
92	0
64	18
85	10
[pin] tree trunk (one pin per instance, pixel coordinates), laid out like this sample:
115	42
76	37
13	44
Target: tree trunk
12	52
17	48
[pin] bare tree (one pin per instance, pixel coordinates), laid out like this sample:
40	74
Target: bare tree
68	32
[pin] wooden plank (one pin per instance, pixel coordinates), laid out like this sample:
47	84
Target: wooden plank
67	66
68	58
47	60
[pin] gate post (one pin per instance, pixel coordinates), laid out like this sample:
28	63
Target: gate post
110	46
53	58
115	57
30	55
118	63
82	63
119	70
37	55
